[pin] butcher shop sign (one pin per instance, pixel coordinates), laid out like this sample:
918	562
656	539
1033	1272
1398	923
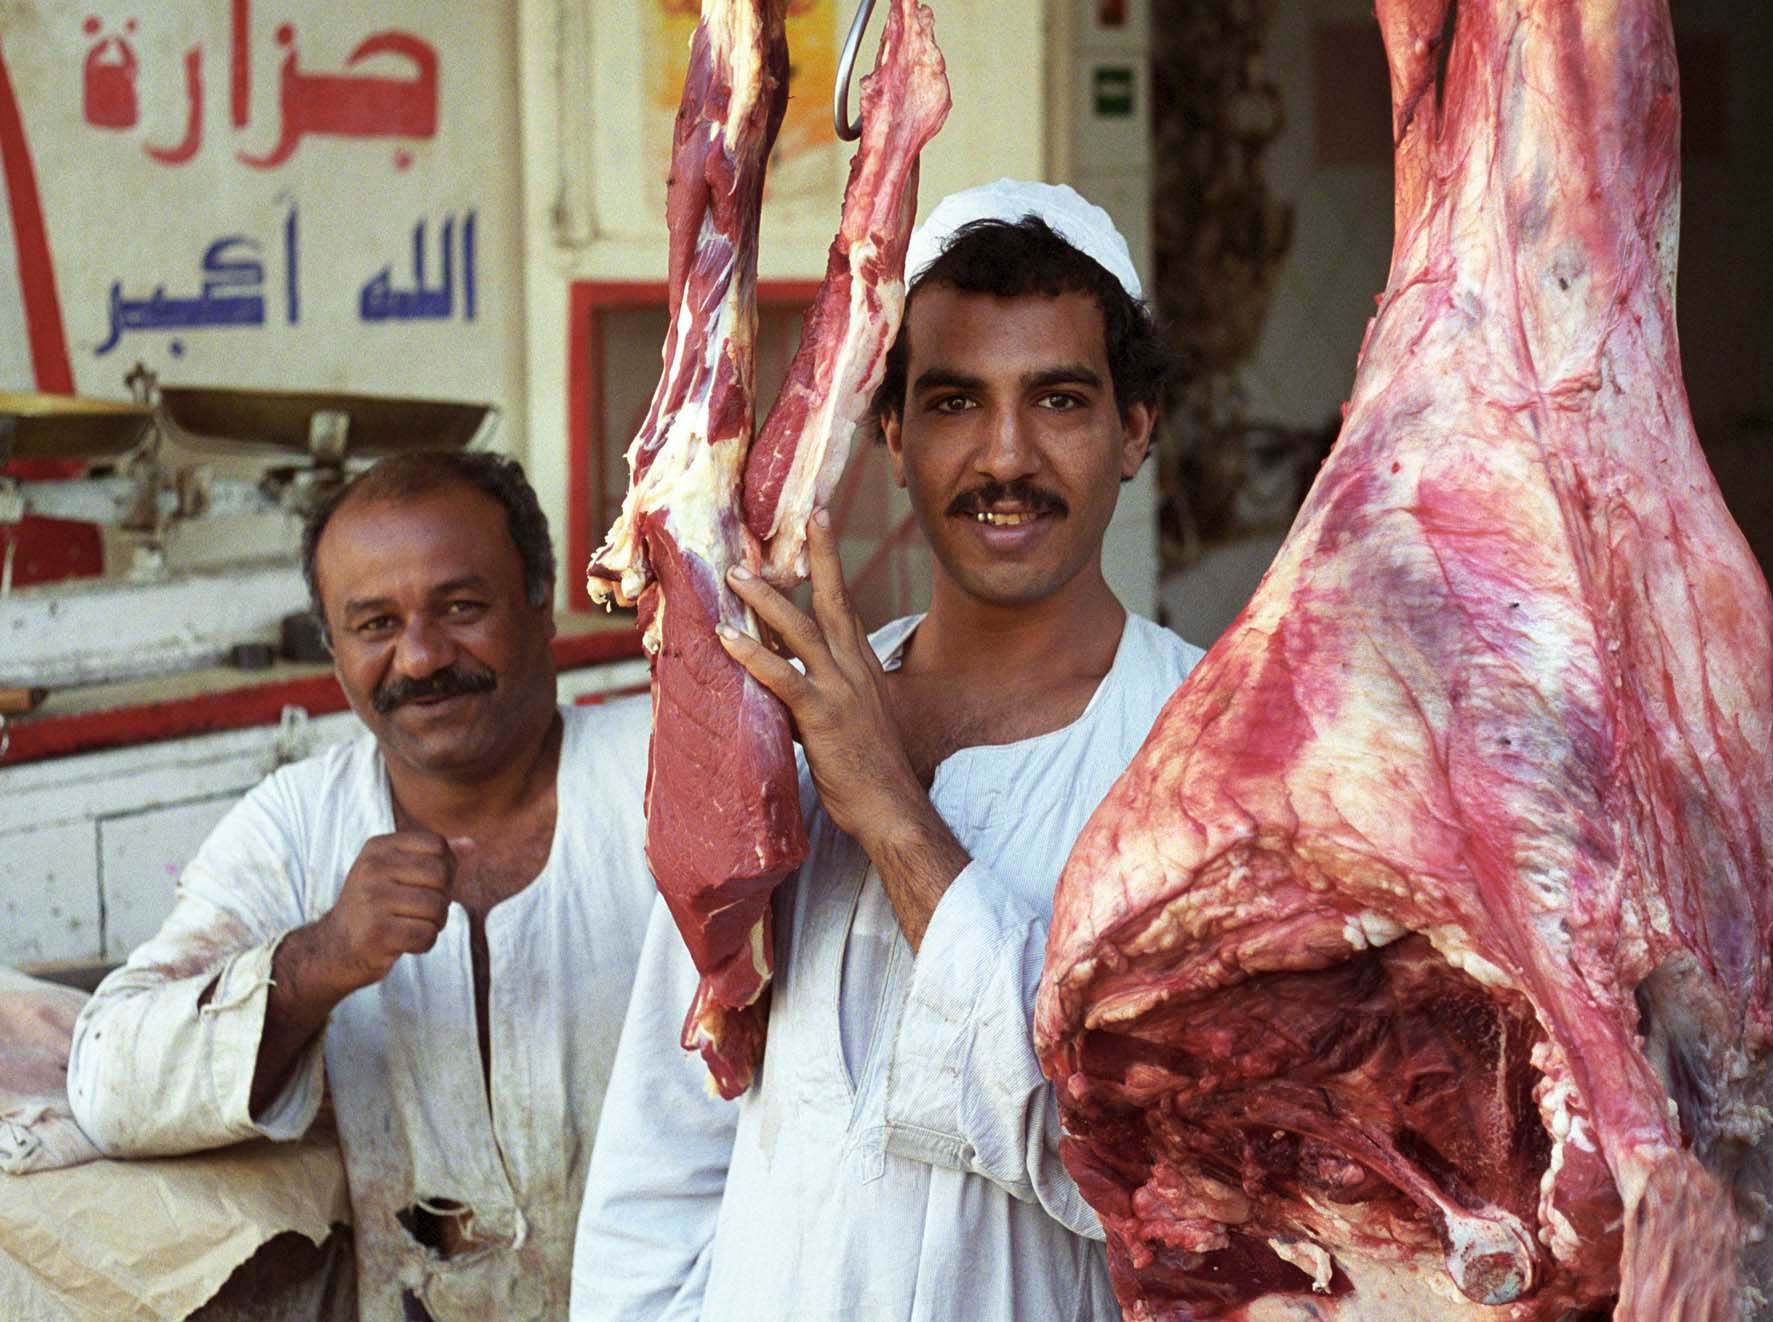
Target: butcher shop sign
248	193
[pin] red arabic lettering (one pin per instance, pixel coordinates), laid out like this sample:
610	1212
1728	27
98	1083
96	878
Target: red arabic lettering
240	64
108	83
355	106
193	138
343	105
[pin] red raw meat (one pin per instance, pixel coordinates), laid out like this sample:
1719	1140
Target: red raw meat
722	794
1418	966
723	818
805	442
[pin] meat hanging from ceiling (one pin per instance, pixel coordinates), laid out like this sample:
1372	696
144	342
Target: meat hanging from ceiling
722	803
1418	967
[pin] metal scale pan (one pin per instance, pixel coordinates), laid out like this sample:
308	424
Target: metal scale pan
372	426
34	426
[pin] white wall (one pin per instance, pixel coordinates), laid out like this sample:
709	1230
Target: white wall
91	845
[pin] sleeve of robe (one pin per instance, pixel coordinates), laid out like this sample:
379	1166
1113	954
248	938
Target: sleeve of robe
964	1088
658	1170
157	1066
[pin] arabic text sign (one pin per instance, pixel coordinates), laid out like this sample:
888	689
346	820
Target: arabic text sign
356	104
269	194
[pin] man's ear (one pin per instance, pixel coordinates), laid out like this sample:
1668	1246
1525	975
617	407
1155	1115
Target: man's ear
1141	419
889	428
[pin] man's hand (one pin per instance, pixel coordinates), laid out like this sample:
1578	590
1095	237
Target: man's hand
844	717
841	707
394	902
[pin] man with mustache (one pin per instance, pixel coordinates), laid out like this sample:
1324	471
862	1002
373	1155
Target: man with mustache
438	920
897	1155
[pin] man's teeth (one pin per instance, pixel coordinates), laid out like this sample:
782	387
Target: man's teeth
1003	520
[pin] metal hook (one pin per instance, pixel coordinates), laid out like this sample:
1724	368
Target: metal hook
840	96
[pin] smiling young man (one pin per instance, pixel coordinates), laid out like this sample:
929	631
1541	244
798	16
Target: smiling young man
440	918
897	1156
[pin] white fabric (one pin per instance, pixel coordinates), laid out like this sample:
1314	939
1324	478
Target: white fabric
152	1073
1081	223
926	1186
873	933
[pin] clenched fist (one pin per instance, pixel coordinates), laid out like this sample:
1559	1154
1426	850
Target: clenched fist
394	902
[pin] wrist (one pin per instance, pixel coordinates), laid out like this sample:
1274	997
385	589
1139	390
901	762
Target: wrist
903	825
309	965
918	858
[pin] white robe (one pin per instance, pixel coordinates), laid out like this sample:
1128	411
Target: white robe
930	1187
153	1073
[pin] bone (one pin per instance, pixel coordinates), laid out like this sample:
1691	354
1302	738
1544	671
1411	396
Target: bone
1489	1253
1489	1256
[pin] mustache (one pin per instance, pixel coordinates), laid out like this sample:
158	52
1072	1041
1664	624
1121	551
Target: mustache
450	682
1019	492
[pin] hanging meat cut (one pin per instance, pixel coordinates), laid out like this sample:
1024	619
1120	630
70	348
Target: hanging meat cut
1418	967
722	803
722	800
844	338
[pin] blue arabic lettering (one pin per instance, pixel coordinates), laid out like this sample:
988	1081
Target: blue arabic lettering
216	305
291	287
379	300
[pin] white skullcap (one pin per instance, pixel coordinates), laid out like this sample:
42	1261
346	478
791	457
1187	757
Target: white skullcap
1082	224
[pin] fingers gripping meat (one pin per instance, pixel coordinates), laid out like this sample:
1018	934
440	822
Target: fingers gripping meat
1418	966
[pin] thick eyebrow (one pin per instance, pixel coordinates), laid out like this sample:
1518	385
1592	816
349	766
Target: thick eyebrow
943	378
359	604
1065	374
467	582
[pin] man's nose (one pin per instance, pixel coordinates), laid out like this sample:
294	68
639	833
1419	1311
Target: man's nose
1008	451
423	648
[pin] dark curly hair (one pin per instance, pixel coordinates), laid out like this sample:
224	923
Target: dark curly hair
419	472
1014	259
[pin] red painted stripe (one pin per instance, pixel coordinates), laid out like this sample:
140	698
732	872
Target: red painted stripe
37	737
588	649
36	274
240	67
610	695
579	410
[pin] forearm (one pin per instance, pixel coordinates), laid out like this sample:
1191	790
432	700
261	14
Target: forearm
305	986
918	858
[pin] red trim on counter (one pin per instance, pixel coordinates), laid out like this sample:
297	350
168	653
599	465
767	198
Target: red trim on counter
35	738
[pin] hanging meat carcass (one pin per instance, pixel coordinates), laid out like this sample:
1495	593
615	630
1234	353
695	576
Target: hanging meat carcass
1418	966
723	817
